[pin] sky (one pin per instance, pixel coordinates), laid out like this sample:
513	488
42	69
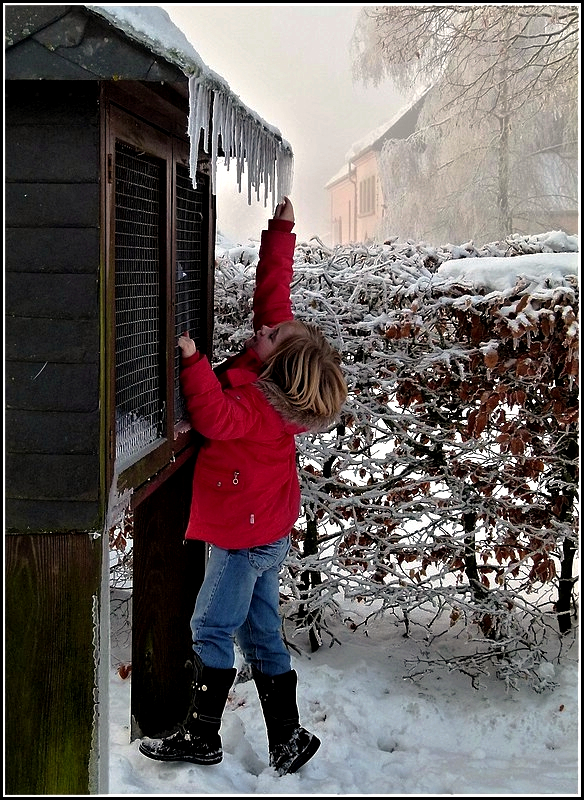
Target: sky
290	64
381	733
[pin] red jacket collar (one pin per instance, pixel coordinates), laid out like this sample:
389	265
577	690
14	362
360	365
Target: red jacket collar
240	369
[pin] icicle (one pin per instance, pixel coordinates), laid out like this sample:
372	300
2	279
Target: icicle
199	104
243	137
218	125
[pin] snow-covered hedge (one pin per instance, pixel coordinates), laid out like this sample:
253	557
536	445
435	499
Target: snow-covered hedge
450	484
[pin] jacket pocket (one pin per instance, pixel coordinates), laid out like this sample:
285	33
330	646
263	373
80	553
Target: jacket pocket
219	480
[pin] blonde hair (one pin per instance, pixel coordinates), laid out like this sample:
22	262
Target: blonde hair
306	368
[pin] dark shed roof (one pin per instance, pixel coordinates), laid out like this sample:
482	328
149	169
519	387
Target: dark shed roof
71	43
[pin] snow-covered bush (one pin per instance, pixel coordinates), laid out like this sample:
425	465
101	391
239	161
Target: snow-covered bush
450	484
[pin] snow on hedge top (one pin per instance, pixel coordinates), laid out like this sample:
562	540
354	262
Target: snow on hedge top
535	271
244	135
535	263
557	263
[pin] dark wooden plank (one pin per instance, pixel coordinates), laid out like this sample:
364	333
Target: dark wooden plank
51	432
51	387
166	107
59	341
39	516
52	591
49	476
57	249
70	103
53	295
68	154
51	205
167	577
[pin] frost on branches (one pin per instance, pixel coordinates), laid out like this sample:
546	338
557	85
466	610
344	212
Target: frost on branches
446	499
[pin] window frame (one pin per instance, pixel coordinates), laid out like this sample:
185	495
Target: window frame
367	196
177	440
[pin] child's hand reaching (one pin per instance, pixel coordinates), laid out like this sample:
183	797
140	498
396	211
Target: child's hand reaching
187	345
284	210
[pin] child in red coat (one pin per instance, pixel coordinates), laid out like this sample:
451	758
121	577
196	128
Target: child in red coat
246	499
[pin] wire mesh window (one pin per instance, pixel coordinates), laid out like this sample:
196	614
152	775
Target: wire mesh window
191	255
139	196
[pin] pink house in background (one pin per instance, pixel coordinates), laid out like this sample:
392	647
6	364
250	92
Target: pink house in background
357	205
356	200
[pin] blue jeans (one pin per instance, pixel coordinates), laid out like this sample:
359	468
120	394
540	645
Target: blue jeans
239	599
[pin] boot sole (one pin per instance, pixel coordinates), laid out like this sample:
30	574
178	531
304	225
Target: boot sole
190	759
304	756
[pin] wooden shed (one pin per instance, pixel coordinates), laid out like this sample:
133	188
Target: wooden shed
113	127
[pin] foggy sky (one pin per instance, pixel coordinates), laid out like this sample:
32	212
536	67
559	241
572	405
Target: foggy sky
291	65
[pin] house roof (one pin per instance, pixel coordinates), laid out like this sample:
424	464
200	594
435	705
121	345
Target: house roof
71	42
400	126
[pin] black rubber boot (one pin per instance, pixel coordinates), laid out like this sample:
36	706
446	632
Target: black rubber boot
290	745
197	740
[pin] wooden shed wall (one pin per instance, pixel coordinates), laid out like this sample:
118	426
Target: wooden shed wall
53	448
52	649
58	446
52	269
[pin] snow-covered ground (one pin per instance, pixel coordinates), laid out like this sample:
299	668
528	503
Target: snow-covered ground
381	733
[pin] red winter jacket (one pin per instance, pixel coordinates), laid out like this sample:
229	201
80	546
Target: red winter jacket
245	486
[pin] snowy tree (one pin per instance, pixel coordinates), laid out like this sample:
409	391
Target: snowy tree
496	146
449	486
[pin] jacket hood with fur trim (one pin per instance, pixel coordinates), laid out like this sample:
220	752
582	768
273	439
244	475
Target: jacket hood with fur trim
280	401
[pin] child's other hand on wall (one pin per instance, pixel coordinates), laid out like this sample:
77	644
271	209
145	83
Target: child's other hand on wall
187	345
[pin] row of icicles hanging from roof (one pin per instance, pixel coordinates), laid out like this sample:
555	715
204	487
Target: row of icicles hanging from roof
243	137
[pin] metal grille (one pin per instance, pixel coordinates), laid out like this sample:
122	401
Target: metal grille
139	190
191	254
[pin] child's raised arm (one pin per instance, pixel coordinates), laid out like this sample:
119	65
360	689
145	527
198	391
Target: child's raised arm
271	303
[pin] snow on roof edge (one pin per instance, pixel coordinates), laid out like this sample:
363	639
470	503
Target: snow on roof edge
366	142
377	133
245	136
